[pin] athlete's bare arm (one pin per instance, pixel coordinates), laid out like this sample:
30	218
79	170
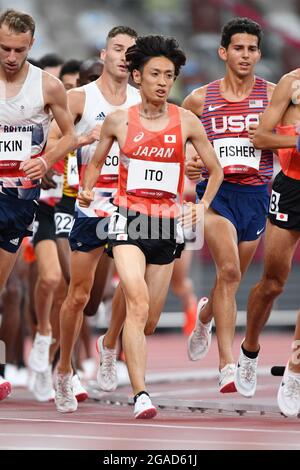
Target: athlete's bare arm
111	129
56	100
194	132
195	102
265	137
253	127
76	101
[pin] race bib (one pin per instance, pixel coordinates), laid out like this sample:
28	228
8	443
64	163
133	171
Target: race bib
111	164
237	156
72	171
117	224
54	192
14	147
63	223
153	179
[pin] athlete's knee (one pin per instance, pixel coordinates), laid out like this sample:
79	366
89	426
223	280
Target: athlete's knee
137	309
272	286
77	298
229	272
49	281
13	289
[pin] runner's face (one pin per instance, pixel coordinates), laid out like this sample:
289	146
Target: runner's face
14	48
69	80
90	75
242	54
114	55
156	79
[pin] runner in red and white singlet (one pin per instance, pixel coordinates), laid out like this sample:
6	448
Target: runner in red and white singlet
282	234
142	233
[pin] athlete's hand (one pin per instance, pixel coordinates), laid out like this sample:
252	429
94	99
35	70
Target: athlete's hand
192	213
90	137
251	131
85	198
34	168
193	168
47	180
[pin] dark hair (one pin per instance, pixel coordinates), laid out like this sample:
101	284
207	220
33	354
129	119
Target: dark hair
33	61
50	60
90	70
147	47
70	67
240	25
121	30
18	21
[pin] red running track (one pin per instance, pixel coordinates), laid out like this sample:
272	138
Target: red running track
26	424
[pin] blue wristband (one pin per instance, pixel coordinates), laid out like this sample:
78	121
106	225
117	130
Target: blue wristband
298	144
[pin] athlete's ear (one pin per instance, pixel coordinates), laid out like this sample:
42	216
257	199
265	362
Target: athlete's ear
137	77
103	54
222	53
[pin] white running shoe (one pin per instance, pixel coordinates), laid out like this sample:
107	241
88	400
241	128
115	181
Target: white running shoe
200	339
89	368
65	399
43	385
107	371
5	388
245	376
122	373
79	391
226	379
143	408
288	397
39	355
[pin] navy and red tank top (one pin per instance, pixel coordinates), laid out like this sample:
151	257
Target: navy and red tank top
226	124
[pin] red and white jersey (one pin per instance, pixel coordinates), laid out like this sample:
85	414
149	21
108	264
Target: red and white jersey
24	126
226	124
152	167
289	159
95	110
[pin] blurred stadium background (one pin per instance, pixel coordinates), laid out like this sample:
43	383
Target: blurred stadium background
77	29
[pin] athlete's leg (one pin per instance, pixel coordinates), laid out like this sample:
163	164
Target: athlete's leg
7	261
158	278
118	314
83	266
11	298
49	275
294	362
283	243
182	286
64	253
246	251
226	257
131	266
59	297
103	273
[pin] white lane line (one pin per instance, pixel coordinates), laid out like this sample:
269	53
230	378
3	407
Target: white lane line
198	391
158	426
128	439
